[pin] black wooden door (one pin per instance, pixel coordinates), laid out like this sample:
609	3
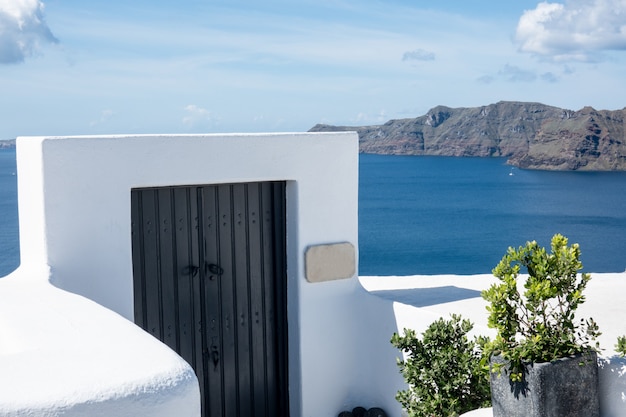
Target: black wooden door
210	281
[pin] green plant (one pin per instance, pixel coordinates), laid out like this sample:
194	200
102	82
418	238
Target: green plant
443	370
620	346
539	325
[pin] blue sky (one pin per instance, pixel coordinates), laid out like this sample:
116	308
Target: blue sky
109	67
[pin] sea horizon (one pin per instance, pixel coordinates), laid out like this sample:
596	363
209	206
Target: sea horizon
423	215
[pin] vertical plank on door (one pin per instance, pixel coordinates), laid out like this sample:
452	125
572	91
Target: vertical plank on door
210	281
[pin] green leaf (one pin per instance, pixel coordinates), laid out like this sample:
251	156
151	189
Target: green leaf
539	324
445	370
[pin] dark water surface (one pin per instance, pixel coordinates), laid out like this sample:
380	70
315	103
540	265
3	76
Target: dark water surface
438	215
9	239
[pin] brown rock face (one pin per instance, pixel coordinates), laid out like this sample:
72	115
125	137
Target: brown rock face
531	135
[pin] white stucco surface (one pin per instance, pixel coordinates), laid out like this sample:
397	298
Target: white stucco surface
75	236
417	301
67	342
61	354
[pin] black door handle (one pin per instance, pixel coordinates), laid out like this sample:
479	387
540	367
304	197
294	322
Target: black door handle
214	269
191	270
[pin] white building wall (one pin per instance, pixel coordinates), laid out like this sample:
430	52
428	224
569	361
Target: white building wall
74	209
74	197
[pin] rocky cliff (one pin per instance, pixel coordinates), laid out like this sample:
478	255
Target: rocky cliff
530	135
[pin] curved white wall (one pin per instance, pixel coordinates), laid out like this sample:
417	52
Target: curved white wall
62	354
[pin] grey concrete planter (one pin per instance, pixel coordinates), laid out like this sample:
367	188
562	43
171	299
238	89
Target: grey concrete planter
564	388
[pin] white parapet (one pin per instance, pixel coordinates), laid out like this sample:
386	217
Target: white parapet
62	354
417	301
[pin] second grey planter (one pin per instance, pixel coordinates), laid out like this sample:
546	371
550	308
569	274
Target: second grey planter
567	387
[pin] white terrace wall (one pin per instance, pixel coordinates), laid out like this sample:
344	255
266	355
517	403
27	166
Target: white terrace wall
75	231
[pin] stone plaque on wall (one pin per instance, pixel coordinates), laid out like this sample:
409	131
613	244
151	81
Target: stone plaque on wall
330	262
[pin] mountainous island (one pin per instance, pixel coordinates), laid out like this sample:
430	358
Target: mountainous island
529	135
7	144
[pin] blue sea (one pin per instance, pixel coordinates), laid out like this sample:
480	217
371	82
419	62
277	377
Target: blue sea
440	215
9	238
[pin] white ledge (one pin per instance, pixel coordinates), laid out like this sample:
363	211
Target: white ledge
61	353
419	300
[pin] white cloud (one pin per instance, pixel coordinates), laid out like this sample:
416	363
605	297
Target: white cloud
549	77
515	74
578	30
365	118
486	79
22	30
105	116
198	117
418	55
